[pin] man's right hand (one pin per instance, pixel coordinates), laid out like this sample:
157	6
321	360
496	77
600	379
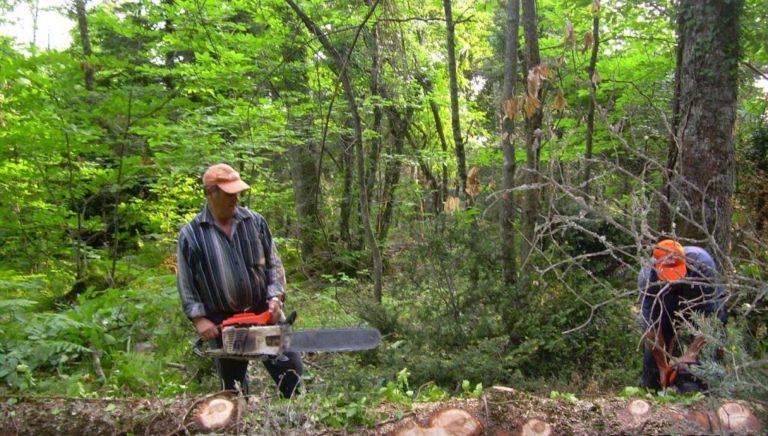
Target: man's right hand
206	329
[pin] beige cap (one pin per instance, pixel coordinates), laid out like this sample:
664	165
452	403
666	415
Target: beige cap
225	177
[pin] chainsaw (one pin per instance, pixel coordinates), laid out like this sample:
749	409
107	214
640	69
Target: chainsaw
251	336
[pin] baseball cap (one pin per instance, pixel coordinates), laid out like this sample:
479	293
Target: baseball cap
225	177
669	260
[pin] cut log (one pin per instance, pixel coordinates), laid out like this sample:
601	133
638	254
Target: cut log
639	408
216	413
737	418
455	422
535	427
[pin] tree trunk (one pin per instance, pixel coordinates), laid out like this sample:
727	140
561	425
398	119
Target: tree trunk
458	141
302	150
358	141
666	198
348	168
709	36
85	40
509	111
398	126
592	97
427	86
532	143
376	143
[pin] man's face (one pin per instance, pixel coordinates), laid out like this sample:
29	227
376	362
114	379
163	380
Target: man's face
222	205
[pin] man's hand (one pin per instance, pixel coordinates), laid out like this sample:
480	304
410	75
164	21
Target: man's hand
276	310
206	329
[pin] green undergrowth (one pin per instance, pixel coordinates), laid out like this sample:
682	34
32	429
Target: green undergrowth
132	340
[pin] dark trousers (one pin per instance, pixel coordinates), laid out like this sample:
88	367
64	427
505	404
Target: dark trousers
285	370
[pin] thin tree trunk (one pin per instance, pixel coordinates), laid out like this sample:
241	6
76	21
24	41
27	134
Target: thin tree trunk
532	147
375	149
358	141
665	215
592	97
708	87
427	86
348	166
85	40
303	151
509	110
398	126
458	141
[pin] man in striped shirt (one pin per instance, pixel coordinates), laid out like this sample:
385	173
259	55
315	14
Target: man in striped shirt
228	264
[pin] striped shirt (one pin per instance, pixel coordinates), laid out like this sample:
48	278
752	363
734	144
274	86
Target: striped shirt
218	274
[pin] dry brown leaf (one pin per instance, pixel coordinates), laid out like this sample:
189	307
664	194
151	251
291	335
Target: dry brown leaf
452	204
588	41
473	182
570	39
545	72
560	102
510	108
596	78
534	82
531	105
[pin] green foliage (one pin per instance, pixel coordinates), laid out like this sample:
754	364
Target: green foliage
563	396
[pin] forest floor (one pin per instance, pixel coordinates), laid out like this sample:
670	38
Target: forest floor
500	411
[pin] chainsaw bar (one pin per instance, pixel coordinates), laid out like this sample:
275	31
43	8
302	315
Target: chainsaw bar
343	339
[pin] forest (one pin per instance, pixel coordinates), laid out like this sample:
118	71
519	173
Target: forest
479	180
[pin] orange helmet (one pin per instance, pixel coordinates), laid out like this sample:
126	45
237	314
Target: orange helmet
669	258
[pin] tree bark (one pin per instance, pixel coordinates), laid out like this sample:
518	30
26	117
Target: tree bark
509	111
709	36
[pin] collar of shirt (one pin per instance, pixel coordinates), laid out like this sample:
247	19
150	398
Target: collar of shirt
206	217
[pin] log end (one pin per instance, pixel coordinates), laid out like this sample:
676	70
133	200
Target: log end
451	421
216	413
738	418
639	408
536	427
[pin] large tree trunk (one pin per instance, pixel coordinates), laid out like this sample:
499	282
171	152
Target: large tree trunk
458	141
709	35
532	142
358	141
509	111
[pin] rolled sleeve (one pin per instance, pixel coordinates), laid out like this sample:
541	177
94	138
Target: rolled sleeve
274	271
276	274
